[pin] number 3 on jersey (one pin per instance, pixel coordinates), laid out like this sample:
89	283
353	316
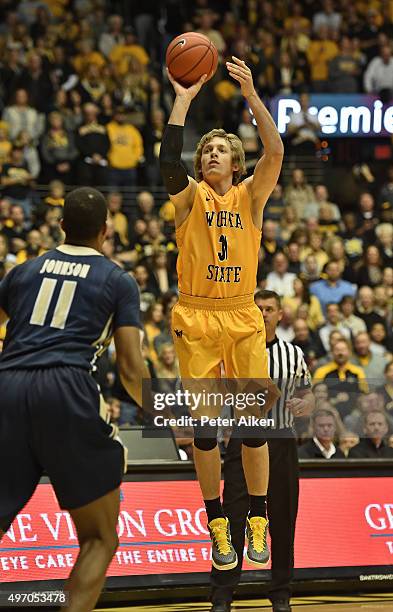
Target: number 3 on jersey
44	299
223	254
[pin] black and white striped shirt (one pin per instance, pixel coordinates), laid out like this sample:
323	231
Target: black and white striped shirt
288	370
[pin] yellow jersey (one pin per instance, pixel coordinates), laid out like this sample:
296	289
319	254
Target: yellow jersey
218	245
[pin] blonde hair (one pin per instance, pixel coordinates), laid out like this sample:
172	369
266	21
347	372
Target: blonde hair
238	157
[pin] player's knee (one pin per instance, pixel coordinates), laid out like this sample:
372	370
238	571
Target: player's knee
254	442
205	444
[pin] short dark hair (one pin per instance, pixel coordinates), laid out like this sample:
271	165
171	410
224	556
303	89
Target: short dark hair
85	213
265	294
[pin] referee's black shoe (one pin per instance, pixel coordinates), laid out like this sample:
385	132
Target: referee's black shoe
221	606
281	605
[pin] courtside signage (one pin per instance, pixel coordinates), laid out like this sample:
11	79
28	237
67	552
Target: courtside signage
162	530
354	115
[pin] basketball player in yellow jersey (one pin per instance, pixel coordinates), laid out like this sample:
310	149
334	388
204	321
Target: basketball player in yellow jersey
218	231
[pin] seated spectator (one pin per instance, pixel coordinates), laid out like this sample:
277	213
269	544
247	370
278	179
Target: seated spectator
33	247
126	150
280	280
387	280
248	134
335	250
381	343
62	72
5	143
315	248
293	253
301	295
152	136
285	329
275	205
372	364
333	322
327	18
319	53
345	69
365	307
386	191
366	218
303	130
114	36
35	80
146	206
58	151
289	224
153	319
17	229
353	244
310	271
364	404
382	304
369	272
326	222
386	390
324	431
121	52
30	153
345	380
308	342
298	193
87	56
93	144
373	445
119	219
163	270
21	116
378	77
92	86
147	287
348	440
16	181
321	197
332	289
384	233
5	255
349	319
167	368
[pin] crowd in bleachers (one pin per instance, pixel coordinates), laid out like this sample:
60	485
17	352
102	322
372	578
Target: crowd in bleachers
84	99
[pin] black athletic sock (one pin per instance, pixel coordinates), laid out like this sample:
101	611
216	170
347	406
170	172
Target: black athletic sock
213	509
257	506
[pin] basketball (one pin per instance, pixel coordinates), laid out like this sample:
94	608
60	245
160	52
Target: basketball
190	56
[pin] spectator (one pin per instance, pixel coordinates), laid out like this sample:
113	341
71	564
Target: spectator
92	86
344	379
35	80
327	18
381	343
30	153
114	36
315	248
348	440
310	270
5	143
280	280
365	307
58	151
365	403
153	327
303	128
16	181
353	244
93	144
289	225
345	69
384	233
372	364
87	56
248	134
63	74
206	20
301	296
293	254
386	191
168	369
10	69
378	78
332	289
324	432
152	142
387	279
126	150
275	205
383	305
386	390
56	194
146	205
319	53
333	323
373	446
335	250
298	193
120	221
366	218
321	197
308	342
147	288
5	256
162	270
17	229
369	272
349	320
285	329
21	116
122	52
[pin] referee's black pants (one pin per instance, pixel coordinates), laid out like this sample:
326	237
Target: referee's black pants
282	505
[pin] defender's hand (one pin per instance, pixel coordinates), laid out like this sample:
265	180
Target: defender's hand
242	74
186	92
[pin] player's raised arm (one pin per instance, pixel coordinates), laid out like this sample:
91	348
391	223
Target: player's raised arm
268	168
180	186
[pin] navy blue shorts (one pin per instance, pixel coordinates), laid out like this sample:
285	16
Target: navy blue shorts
50	423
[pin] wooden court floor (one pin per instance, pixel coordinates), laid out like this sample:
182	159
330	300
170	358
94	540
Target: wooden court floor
378	602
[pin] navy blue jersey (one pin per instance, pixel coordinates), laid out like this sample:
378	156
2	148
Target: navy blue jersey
64	307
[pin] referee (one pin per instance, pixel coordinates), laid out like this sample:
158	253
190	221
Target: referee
289	371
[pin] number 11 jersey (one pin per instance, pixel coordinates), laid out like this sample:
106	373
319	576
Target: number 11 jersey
63	309
218	245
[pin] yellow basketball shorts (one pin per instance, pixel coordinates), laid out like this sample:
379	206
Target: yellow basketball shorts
210	332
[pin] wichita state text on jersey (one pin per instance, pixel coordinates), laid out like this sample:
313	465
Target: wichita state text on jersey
218	244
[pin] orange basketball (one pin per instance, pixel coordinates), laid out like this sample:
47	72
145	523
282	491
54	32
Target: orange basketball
189	56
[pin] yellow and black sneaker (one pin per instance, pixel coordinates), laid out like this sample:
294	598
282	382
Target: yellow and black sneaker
258	553
224	556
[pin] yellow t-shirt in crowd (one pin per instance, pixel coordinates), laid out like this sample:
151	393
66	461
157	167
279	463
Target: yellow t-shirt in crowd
126	146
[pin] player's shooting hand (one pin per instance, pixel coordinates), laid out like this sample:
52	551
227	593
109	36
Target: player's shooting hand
239	71
186	92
